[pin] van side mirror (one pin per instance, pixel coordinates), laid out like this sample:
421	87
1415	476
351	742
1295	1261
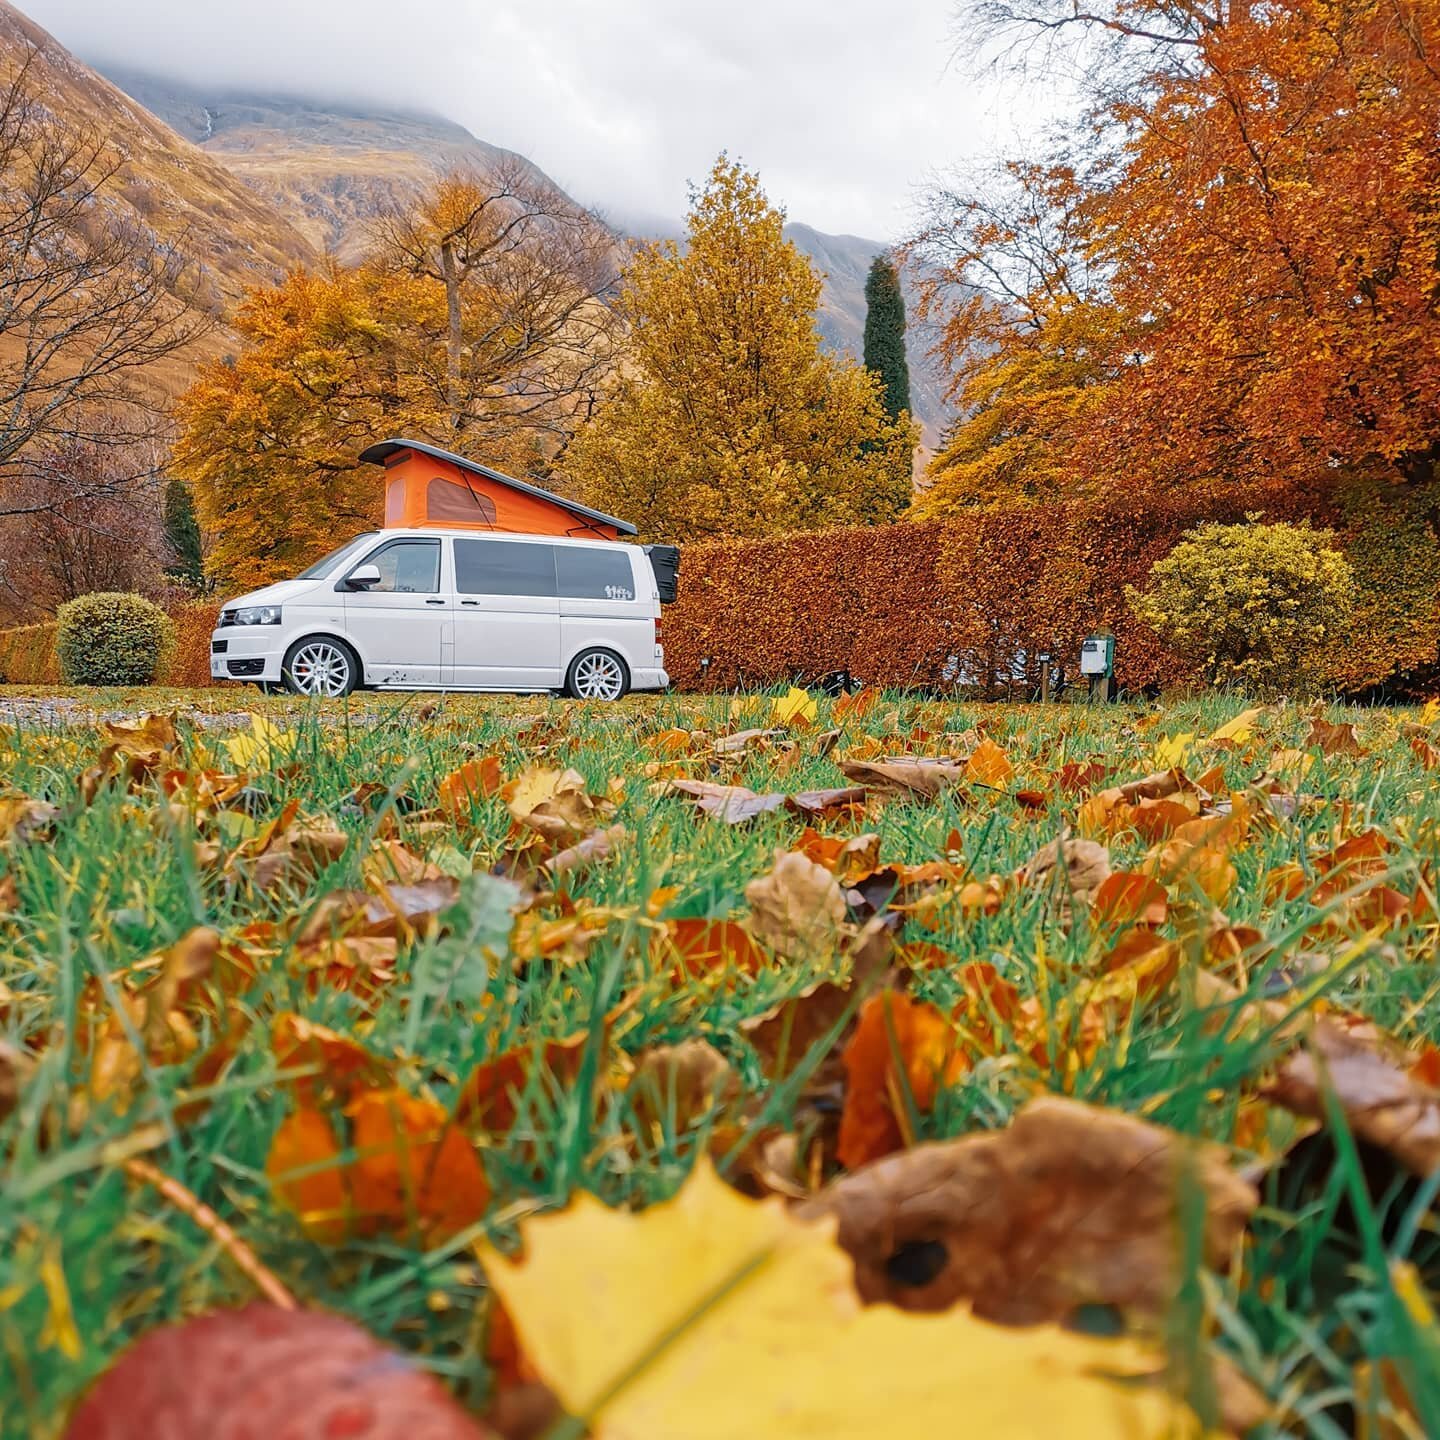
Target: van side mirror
362	577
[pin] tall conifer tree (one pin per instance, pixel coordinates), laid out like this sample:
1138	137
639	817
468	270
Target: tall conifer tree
885	334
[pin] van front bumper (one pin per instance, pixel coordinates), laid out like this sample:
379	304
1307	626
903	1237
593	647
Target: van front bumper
243	652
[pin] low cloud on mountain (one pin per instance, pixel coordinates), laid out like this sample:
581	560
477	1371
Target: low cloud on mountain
841	104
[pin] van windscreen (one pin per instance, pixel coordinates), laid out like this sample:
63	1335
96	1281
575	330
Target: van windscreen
332	561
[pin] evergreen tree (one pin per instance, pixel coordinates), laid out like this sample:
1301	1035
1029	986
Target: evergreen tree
182	534
885	334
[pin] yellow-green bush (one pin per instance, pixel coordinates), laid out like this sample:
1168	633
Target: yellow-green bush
112	638
1258	606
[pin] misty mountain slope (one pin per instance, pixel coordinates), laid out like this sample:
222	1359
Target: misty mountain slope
173	187
329	166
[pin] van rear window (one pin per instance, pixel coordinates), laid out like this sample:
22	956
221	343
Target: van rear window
597	574
504	567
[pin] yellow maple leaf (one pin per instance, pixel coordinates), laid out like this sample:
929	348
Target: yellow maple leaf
260	748
1171	752
713	1316
1430	713
1238	730
795	704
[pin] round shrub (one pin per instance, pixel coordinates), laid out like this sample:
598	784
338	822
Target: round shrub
1256	606
111	638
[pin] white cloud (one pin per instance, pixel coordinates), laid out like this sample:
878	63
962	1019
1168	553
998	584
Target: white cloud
842	105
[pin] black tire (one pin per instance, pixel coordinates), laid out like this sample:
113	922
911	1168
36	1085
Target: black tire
335	666
597	674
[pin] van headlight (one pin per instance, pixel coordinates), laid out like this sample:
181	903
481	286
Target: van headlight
256	615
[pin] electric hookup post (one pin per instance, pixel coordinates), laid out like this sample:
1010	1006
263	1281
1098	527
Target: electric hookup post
1097	665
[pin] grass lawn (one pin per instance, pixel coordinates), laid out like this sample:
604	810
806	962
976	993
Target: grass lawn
1302	889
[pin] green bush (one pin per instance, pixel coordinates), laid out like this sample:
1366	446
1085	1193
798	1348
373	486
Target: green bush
111	638
1251	605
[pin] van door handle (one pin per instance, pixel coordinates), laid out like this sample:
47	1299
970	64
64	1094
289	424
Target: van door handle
469	602
434	602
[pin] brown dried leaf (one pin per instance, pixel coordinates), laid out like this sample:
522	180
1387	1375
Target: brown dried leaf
1382	1102
1075	868
587	851
675	1085
1072	1205
797	909
920	778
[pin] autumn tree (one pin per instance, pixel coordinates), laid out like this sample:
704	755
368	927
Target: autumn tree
884	343
1255	214
727	417
333	359
1026	332
89	302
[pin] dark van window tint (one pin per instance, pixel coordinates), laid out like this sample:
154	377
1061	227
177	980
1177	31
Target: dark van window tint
504	567
587	574
407	566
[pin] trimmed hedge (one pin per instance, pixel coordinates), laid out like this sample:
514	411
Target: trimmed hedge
925	603
27	652
27	656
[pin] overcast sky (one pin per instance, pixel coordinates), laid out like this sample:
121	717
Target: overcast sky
844	106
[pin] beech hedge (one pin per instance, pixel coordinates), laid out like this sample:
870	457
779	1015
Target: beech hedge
976	600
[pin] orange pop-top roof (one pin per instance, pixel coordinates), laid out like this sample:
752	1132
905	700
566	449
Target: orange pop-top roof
428	486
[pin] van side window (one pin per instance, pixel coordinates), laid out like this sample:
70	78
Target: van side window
597	574
410	567
504	567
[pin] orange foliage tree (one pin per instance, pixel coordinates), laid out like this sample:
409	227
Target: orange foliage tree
476	324
1249	248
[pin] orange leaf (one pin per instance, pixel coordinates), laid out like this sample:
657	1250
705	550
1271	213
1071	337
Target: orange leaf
899	1044
989	765
305	1142
474	781
414	1172
703	946
1128	899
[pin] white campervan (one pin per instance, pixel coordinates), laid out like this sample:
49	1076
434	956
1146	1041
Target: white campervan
440	609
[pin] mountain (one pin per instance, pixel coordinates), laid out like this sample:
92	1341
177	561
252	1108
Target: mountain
331	167
184	196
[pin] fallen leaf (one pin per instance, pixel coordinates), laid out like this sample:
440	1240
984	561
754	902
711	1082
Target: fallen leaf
1127	899
924	779
589	851
797	908
674	1086
1070	1205
901	1054
702	946
989	765
1382	1103
265	746
1331	739
764	1336
265	1371
556	804
462	789
1074	869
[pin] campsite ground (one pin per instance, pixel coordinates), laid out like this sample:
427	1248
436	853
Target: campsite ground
1281	865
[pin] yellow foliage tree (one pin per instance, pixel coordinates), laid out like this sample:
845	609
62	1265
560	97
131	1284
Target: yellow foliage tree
727	417
476	324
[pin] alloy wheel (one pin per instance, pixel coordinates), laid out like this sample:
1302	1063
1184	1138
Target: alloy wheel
320	668
599	677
